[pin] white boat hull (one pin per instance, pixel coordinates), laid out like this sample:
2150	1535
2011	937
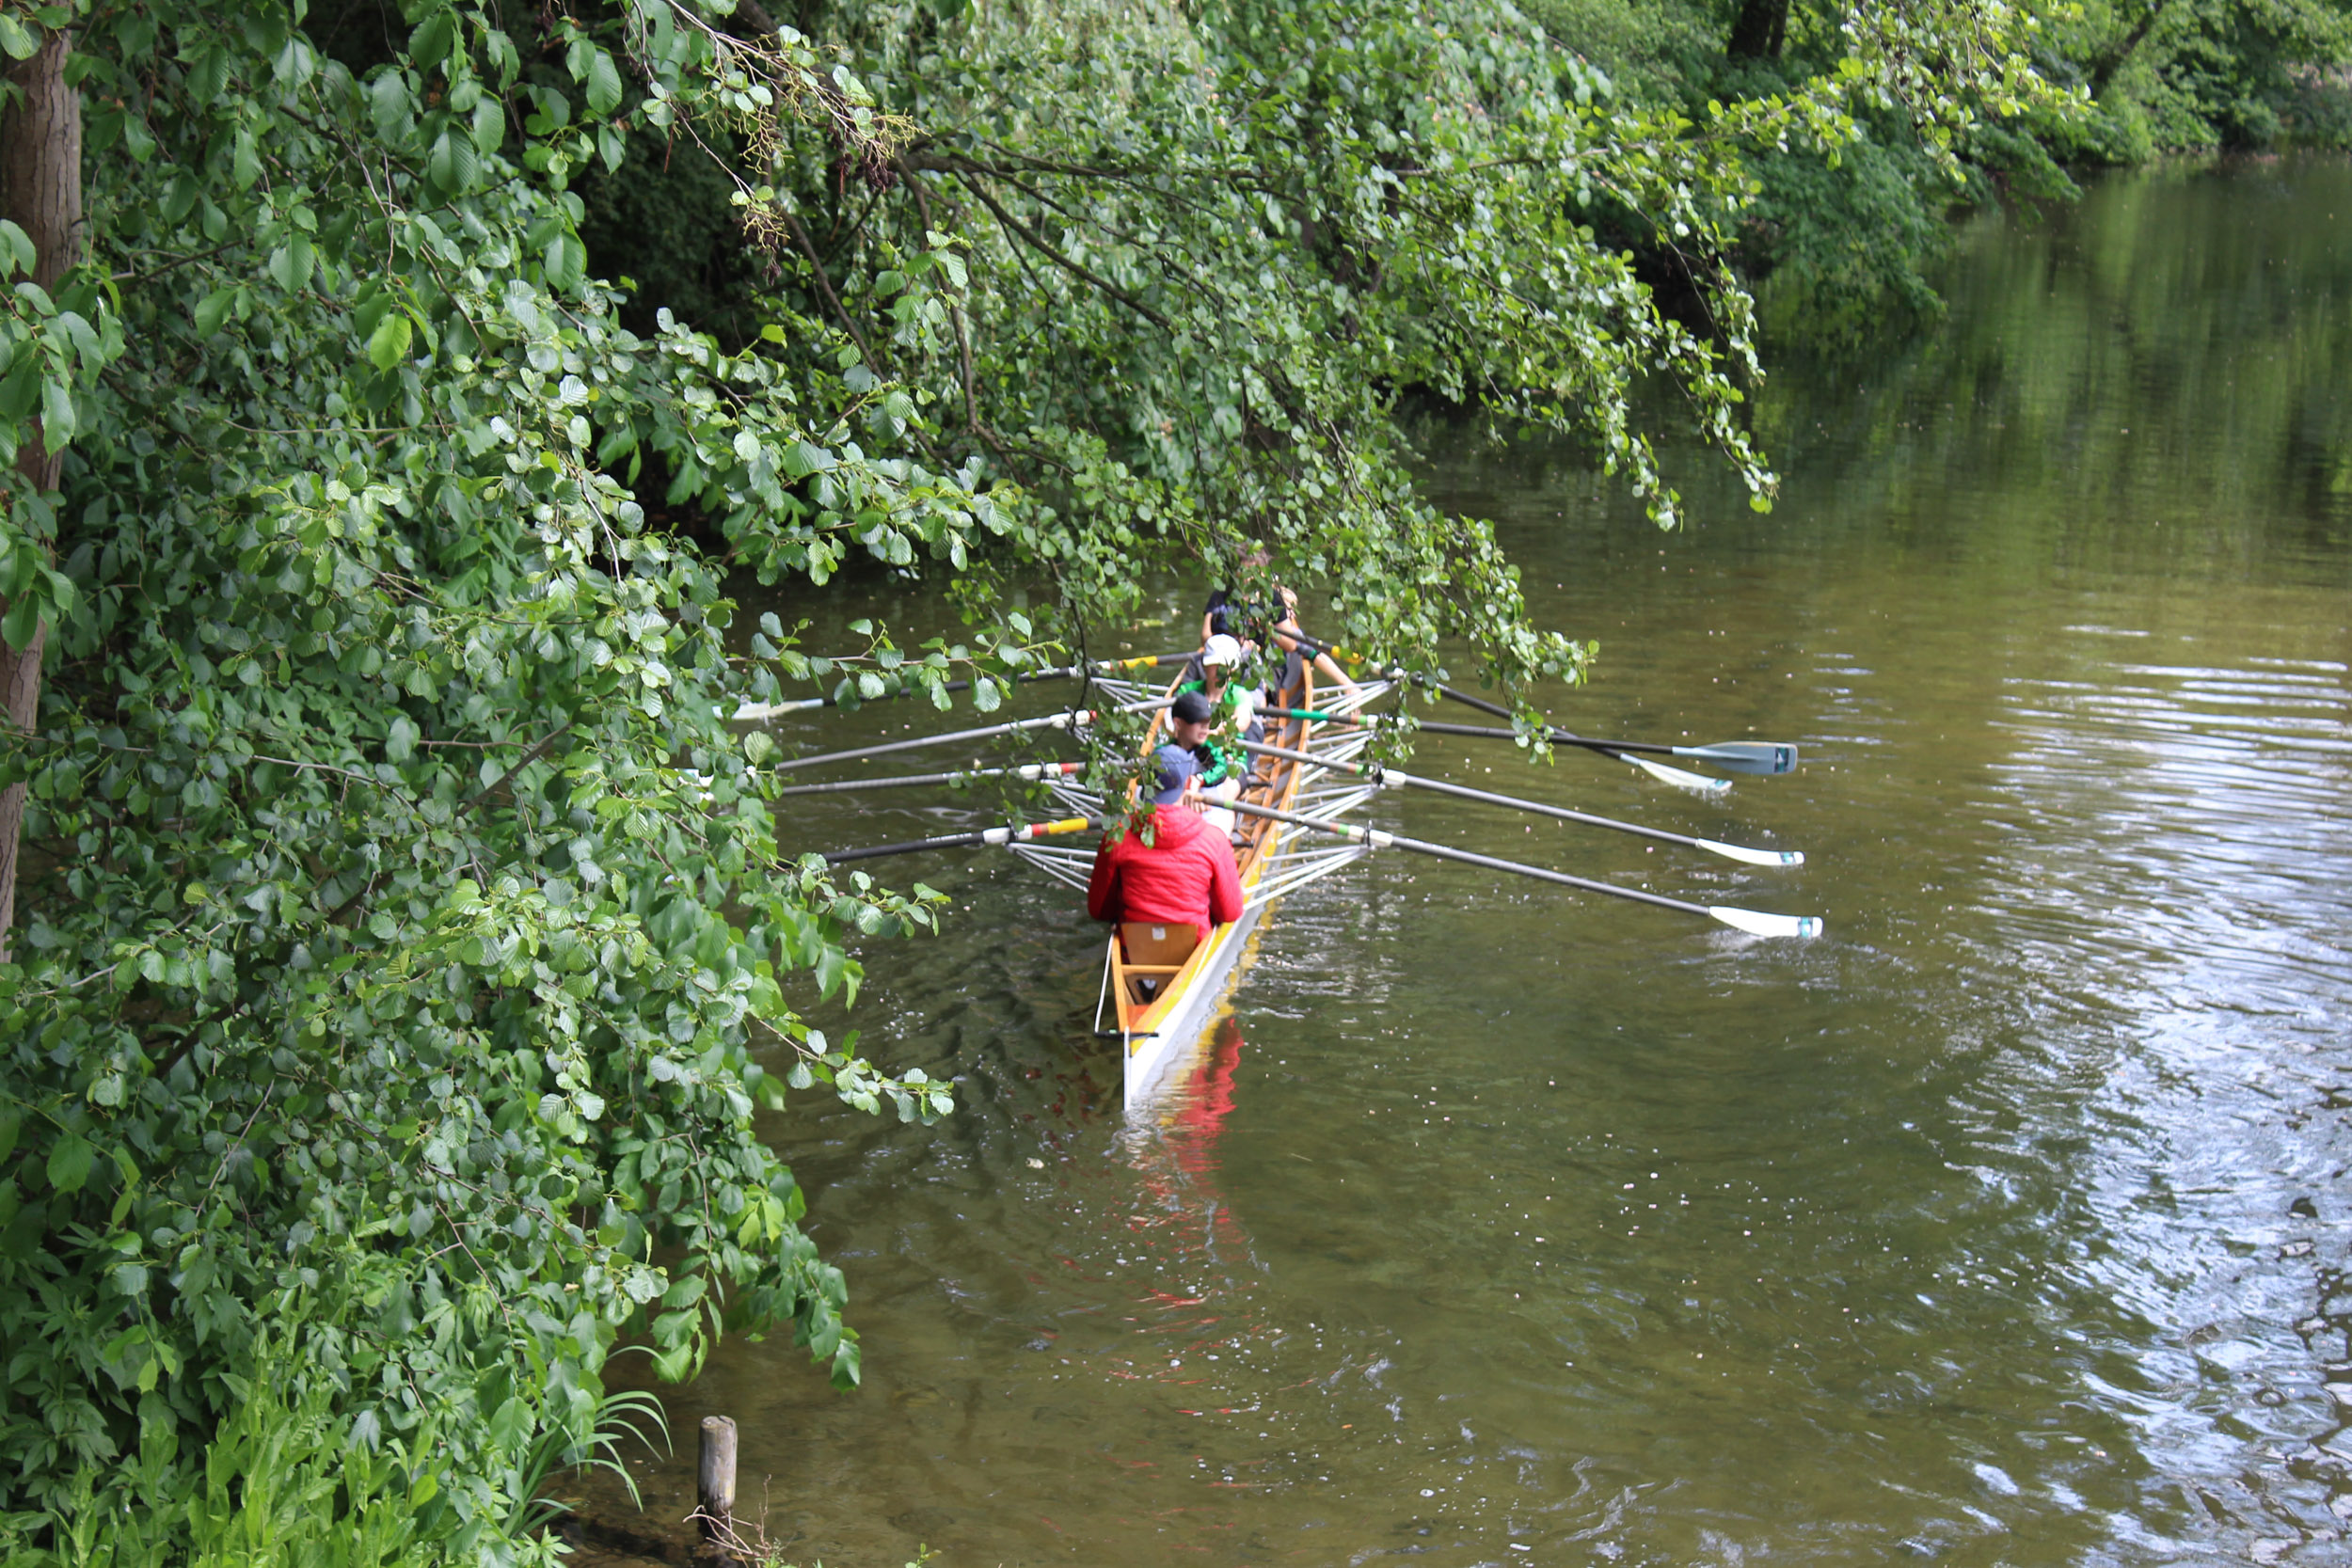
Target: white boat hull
1152	1059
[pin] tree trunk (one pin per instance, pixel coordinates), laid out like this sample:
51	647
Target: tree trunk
41	191
1760	31
2113	60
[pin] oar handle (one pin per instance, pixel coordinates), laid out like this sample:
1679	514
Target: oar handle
1316	645
1016	832
1319	717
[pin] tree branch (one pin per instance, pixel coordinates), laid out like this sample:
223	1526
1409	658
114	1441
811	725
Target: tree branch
1045	249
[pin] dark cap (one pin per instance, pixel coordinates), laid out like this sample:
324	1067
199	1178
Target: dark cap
1173	767
1190	706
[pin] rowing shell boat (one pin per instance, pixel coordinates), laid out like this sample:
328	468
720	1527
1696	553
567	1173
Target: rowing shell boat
1163	985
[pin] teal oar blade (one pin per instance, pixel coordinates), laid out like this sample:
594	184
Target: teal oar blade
1766	757
1753	922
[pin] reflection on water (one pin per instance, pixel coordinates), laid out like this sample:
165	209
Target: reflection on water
2004	1226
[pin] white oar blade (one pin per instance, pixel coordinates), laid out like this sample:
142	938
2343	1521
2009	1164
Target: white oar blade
1757	923
1746	855
1698	783
753	713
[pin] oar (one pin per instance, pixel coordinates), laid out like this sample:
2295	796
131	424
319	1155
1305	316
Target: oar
1755	922
1028	770
1316	645
1766	757
1394	777
1679	778
1077	719
1144	661
1013	833
1735	756
1732	756
752	712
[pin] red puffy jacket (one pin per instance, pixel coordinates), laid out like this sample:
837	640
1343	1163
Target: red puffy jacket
1186	877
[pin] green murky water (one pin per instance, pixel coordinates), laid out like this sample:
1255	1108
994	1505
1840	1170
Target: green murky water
2003	1225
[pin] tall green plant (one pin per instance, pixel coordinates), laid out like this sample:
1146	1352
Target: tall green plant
382	807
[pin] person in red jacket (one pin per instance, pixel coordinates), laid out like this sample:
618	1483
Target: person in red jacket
1184	877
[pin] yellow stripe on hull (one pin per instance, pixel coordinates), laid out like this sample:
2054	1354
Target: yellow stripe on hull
1158	1033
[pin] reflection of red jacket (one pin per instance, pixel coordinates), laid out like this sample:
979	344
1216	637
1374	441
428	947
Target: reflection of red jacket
1186	877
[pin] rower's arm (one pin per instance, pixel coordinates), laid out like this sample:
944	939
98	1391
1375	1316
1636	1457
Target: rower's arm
1287	634
1103	885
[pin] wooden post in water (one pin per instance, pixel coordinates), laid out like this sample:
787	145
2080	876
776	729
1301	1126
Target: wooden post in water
715	1489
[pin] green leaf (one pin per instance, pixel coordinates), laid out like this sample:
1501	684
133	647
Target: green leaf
16	38
22	387
604	84
831	965
399	738
391	109
70	1162
244	160
429	44
290	264
212	309
568	263
57	413
455	162
208	76
803	458
489	125
387	345
19	245
20	622
511	1424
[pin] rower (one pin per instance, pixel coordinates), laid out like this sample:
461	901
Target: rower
1185	875
1209	718
1227	613
1233	707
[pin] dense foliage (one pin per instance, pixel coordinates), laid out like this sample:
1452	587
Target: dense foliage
1841	237
406	934
373	999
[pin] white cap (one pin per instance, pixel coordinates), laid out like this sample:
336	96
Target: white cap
1221	649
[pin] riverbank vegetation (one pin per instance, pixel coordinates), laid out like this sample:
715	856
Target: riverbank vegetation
399	939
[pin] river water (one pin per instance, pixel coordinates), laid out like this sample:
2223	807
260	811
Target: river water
2004	1224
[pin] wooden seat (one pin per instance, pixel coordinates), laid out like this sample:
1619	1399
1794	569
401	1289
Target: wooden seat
1150	945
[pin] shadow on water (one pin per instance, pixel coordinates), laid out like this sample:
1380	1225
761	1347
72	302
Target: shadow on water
2004	1224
